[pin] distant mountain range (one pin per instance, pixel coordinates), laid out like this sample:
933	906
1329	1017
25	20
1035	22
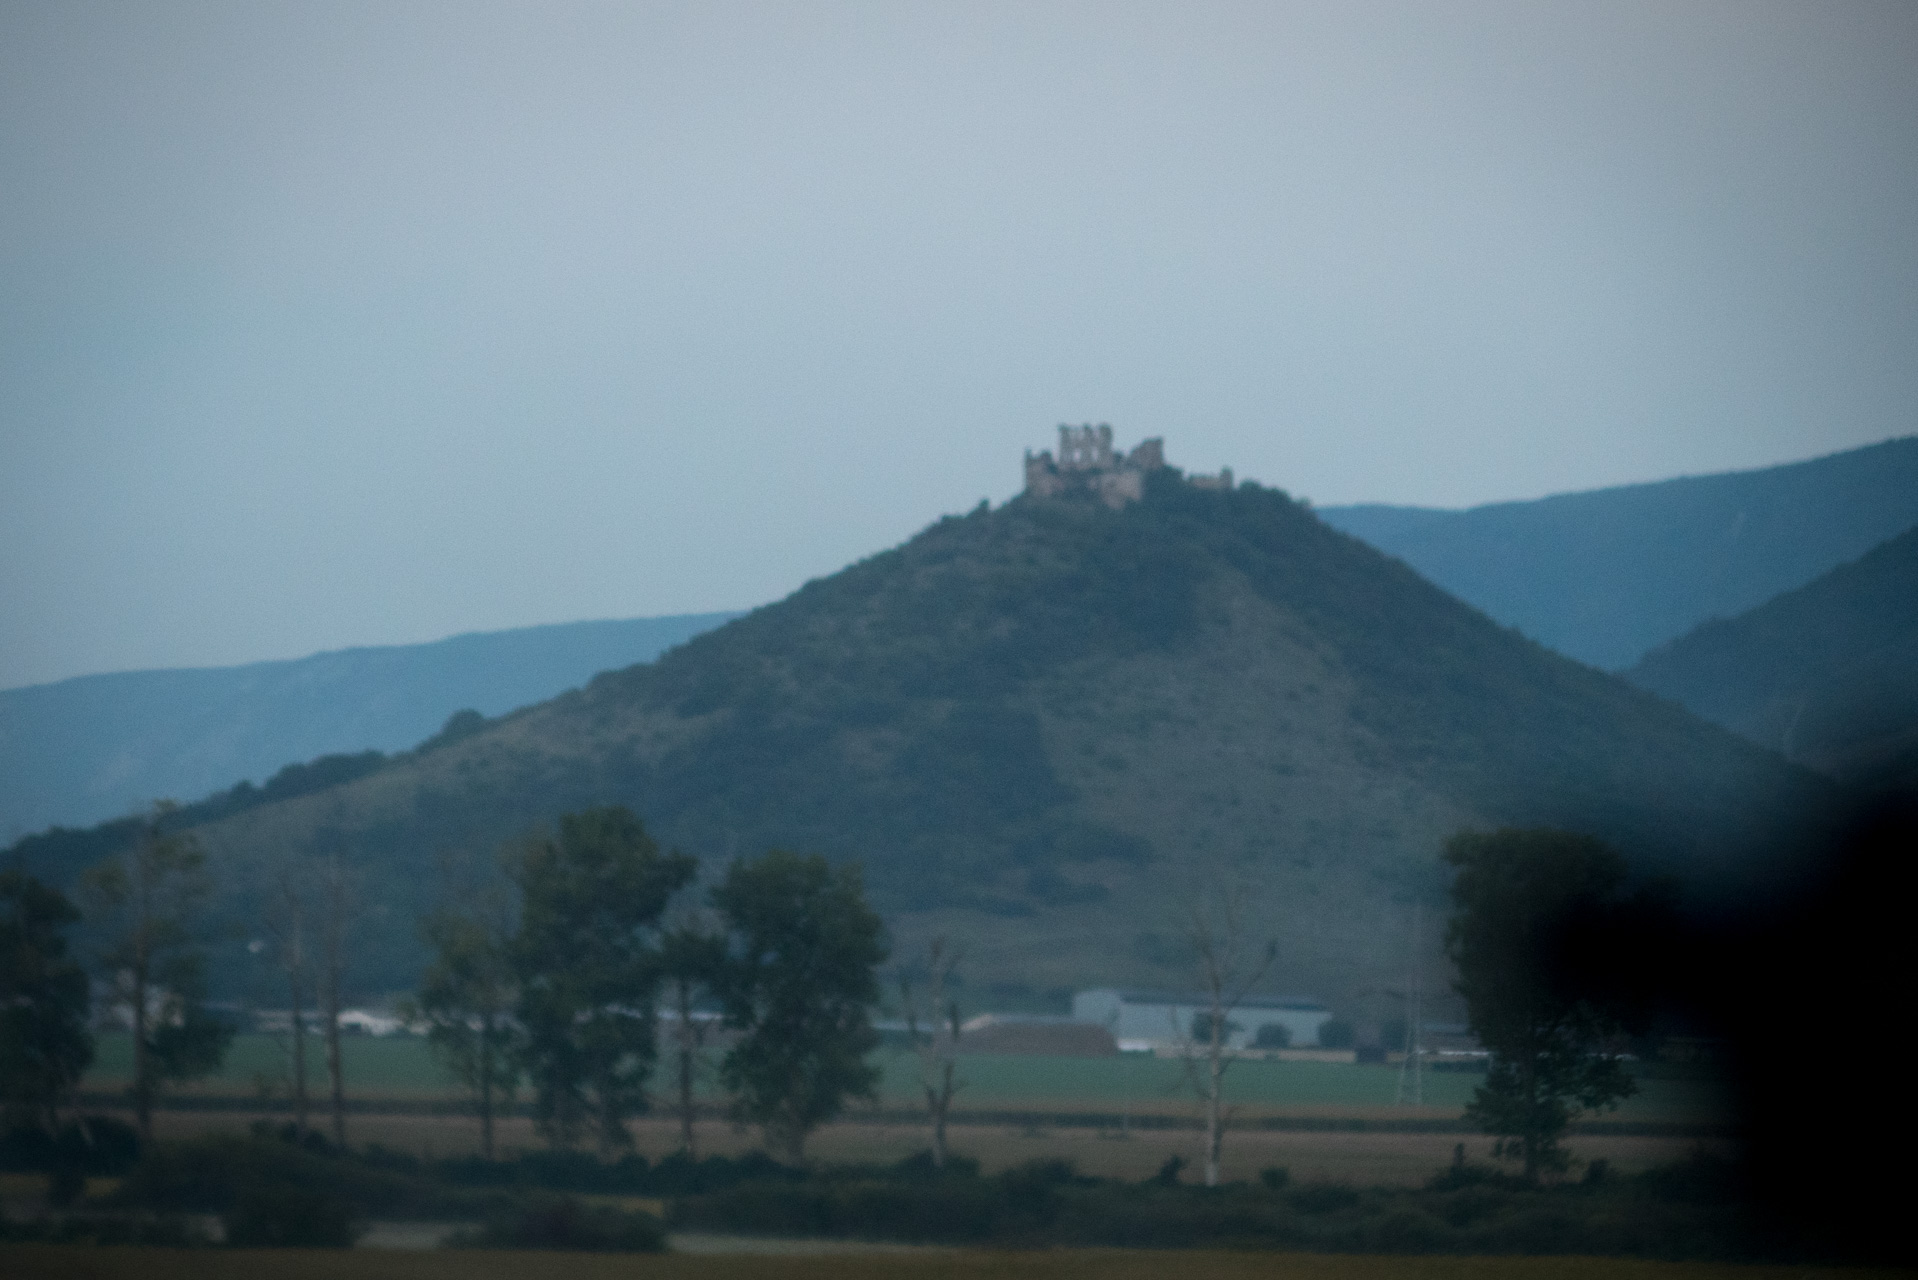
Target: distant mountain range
95	747
1043	727
1826	675
1606	575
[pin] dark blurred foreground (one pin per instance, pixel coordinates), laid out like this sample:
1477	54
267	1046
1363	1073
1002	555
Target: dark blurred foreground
1797	986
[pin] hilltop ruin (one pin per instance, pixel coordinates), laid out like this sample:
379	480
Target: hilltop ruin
1087	463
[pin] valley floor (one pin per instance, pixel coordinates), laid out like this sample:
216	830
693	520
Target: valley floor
1112	1117
1363	1159
400	1073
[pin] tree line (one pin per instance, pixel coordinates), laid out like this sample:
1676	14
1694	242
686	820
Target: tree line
145	902
553	978
556	979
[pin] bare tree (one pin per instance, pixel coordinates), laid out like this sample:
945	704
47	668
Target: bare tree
286	921
336	910
1228	966
937	1044
692	953
466	1000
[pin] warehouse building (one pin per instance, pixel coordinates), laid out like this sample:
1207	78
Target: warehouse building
1148	1019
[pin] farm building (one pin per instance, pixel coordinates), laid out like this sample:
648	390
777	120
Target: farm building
1150	1018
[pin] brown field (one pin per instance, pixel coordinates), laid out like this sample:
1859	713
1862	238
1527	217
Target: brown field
1364	1159
31	1262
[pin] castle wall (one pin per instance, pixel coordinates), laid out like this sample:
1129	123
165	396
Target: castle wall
1221	481
1087	463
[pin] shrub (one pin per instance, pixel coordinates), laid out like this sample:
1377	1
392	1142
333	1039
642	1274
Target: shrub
919	1167
1323	1197
284	1216
289	1133
211	1174
1701	1178
1537	1229
1409	1229
1337	1034
957	1211
561	1222
1469	1205
1273	1035
176	1233
680	1175
65	1185
92	1146
1275	1178
765	1208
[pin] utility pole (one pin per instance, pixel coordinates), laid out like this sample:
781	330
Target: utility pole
1411	1071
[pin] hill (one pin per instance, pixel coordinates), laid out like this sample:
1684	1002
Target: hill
95	747
1043	727
1607	575
1826	674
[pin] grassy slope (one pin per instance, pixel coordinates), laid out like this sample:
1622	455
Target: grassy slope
1041	727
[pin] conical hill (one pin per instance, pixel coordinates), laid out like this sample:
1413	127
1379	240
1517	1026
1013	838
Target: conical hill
1043	727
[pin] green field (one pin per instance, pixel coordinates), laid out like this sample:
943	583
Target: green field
401	1069
387	1067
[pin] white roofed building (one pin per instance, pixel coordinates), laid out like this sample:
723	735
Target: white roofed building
1165	1017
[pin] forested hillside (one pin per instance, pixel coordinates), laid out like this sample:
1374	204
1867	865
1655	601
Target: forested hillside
94	747
1043	727
1826	674
1605	576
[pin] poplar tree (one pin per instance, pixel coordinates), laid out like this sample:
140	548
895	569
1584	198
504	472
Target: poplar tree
44	1002
800	985
467	997
586	957
148	902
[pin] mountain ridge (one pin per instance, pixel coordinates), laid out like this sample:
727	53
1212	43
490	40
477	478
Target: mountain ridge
1606	575
91	748
1826	674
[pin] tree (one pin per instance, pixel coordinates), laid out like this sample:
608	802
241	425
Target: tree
692	959
466	998
937	1043
44	1001
148	902
1229	966
1519	897
1273	1035
800	986
587	965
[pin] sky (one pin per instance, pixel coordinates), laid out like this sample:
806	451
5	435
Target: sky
329	324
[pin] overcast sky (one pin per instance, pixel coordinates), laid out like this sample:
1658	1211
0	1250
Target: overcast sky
332	324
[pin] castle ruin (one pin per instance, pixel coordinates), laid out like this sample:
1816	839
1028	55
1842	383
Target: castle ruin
1087	463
